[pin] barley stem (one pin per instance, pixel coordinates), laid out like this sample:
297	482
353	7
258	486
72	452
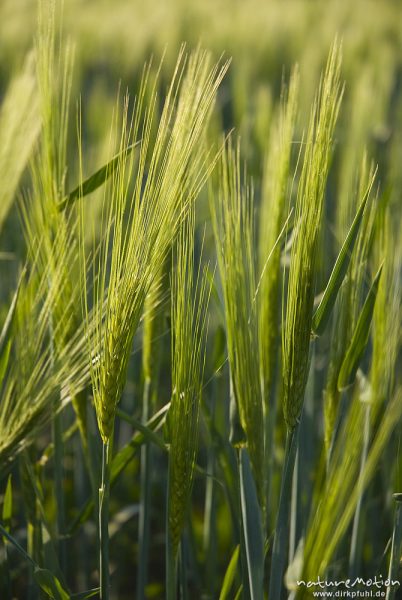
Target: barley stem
293	521
170	557
209	531
58	478
182	564
143	524
252	539
270	422
104	523
395	549
282	524
171	562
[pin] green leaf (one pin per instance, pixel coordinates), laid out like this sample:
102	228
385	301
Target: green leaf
6	330
149	435
127	453
396	550
43	577
85	595
8	504
96	180
323	312
210	275
252	527
237	435
50	584
360	337
230	575
239	593
219	347
4	356
17	546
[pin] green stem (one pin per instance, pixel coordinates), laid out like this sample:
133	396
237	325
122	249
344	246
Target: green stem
82	548
396	550
281	537
270	423
171	571
171	558
104	524
252	544
57	435
293	520
144	521
209	530
58	478
183	570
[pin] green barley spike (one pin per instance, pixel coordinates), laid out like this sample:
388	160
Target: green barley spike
189	313
141	215
232	219
309	205
272	217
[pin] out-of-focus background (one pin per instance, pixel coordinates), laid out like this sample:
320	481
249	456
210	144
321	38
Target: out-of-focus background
112	41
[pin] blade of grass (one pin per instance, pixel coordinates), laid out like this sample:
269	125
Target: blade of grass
396	550
7	325
360	337
96	180
8	504
230	575
281	538
50	584
324	309
6	518
252	527
148	433
85	595
16	545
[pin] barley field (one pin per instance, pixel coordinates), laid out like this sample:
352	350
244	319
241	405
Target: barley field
200	299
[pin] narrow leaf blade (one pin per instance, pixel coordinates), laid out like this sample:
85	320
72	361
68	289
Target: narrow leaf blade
323	312
8	505
85	595
96	180
360	337
4	357
16	545
230	575
50	584
127	453
252	526
5	332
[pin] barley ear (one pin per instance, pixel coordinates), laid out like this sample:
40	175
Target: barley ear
309	205
189	313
